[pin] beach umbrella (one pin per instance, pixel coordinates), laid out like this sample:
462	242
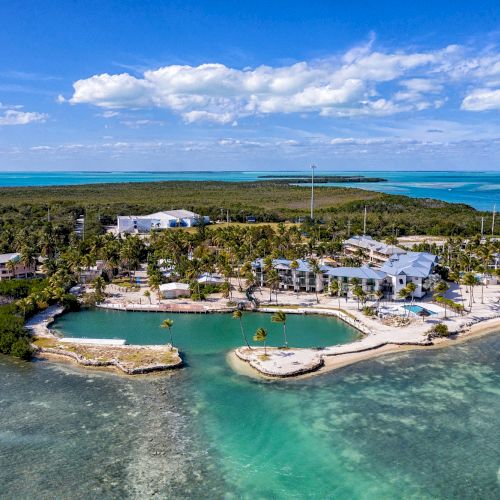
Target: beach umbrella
424	313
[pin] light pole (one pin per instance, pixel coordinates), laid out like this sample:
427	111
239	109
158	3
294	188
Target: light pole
312	191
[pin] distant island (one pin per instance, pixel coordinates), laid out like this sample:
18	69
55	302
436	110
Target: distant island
323	179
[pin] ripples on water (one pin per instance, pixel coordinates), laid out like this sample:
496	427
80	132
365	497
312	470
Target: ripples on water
411	425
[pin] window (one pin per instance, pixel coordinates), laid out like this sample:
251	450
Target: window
401	281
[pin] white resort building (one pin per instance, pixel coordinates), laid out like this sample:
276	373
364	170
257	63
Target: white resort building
375	252
159	220
398	270
300	278
11	267
411	267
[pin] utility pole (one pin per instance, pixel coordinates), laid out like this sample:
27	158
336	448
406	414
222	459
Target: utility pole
312	191
364	223
48	214
493	220
348	228
482	226
227	216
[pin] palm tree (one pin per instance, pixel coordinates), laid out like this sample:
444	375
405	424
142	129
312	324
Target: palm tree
316	270
335	289
168	323
470	281
261	336
238	315
353	283
99	286
294	265
440	288
11	267
280	317
273	281
379	294
147	294
404	293
359	293
411	287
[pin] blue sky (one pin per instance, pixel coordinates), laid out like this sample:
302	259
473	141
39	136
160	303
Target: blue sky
180	85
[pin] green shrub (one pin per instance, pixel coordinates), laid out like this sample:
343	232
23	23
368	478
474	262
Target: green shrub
439	330
21	348
368	311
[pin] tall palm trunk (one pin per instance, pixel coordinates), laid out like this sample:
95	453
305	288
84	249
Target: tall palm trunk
244	335
284	335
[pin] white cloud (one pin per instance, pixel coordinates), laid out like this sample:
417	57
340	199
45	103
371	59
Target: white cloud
14	117
342	86
362	82
482	100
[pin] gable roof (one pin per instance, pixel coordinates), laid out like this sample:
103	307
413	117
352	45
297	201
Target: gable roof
363	272
7	257
369	243
416	264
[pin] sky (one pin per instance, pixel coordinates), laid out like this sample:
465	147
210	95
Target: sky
261	85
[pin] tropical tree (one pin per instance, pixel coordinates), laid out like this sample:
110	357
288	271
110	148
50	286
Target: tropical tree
99	286
294	265
470	281
316	270
239	316
280	317
411	287
404	293
335	289
147	294
379	295
440	288
359	293
261	336
353	283
168	323
273	281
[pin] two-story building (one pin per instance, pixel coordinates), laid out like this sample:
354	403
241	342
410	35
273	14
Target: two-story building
11	267
296	278
142	224
411	267
375	252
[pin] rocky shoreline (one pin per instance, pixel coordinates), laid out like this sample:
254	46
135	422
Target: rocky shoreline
130	360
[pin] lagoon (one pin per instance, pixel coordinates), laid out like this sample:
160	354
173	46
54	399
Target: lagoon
419	424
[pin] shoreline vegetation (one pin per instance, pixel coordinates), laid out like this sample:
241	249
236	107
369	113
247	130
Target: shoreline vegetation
127	359
266	201
320	179
44	230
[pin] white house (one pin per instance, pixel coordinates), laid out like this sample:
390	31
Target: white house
175	290
159	220
210	279
376	251
11	267
411	267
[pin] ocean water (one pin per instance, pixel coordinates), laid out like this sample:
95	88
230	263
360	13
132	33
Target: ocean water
478	189
414	425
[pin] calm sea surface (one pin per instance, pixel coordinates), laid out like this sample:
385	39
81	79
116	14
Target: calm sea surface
416	425
478	189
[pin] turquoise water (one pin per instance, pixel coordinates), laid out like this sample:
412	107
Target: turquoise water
201	334
416	309
478	189
414	425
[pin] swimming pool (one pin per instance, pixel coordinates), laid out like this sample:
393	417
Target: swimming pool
417	309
